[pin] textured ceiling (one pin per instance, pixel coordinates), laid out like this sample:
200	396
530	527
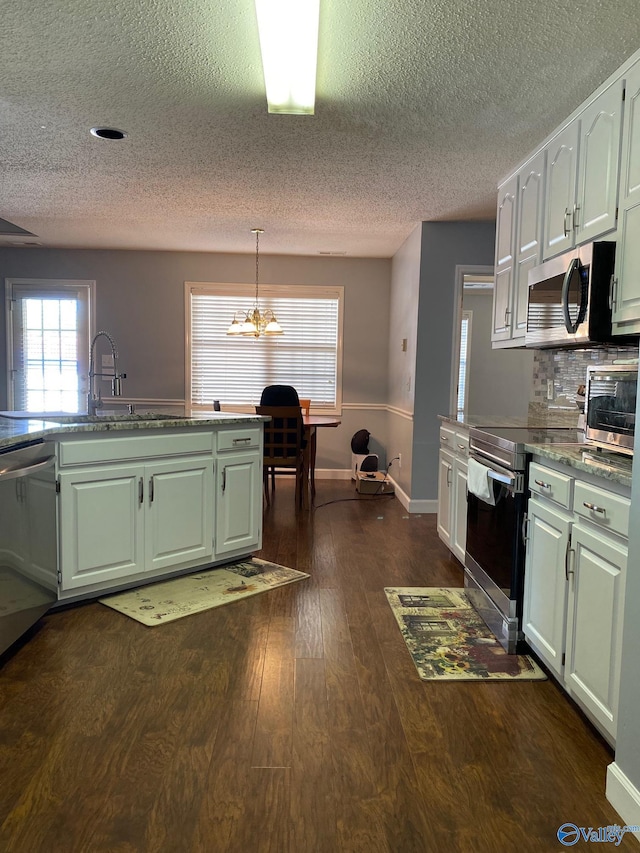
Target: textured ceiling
422	105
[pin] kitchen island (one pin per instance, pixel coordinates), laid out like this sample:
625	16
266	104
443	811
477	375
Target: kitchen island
117	501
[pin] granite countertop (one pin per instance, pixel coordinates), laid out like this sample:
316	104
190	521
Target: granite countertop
16	431
615	467
553	418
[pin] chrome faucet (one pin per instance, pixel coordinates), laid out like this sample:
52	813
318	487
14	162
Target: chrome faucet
94	403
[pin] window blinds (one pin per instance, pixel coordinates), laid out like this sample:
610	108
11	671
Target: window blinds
236	369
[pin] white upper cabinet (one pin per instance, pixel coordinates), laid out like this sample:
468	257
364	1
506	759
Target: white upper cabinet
518	249
505	243
528	252
583	167
561	179
626	305
599	162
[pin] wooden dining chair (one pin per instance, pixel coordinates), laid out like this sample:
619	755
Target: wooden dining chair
305	405
284	447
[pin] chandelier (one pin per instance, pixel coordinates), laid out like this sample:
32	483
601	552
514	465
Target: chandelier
254	322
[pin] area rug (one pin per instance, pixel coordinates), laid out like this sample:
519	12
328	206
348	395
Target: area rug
448	641
163	602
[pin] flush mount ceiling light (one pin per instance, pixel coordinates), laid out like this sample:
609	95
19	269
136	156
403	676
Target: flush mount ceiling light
254	323
289	46
107	133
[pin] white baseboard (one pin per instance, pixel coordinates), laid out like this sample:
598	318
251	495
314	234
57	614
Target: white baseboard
623	796
333	473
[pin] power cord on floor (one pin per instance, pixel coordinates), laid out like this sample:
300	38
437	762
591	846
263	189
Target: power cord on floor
373	496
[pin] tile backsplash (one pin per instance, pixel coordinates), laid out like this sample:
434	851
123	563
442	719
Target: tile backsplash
567	369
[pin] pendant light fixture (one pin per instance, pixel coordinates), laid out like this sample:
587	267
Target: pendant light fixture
254	323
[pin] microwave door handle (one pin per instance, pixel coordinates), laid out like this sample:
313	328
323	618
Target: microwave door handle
571	327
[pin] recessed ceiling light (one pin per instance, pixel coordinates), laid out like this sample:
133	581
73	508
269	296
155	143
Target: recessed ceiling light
108	133
323	252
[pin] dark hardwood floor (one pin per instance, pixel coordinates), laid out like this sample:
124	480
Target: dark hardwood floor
290	722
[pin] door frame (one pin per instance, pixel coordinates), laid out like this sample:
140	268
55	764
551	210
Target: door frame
461	271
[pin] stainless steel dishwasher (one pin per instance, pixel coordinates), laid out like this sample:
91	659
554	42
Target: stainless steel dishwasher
28	540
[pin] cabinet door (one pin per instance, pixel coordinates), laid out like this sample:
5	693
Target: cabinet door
594	627
505	240
445	486
560	181
626	308
600	129
179	518
238	503
545	582
528	252
101	524
458	539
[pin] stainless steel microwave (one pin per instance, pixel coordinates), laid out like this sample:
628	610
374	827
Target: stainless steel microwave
569	300
610	406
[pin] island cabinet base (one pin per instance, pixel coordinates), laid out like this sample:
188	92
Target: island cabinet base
133	509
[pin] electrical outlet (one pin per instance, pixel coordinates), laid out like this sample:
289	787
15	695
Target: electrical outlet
399	460
549	389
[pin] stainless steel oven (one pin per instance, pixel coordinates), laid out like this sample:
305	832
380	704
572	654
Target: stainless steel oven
495	551
494	556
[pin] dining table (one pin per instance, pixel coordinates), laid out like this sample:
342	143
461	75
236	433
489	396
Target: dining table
312	423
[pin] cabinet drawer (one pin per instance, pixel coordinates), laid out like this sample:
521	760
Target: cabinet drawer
447	438
127	447
461	443
551	484
238	439
602	507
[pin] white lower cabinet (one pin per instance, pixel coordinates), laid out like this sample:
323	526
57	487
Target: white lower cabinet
574	585
452	489
238	503
445	487
545	581
120	520
594	624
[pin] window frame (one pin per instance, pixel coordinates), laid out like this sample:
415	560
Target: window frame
40	287
275	291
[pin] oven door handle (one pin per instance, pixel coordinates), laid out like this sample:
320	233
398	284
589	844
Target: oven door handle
506	479
513	480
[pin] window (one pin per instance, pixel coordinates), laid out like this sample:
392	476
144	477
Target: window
235	370
48	344
465	343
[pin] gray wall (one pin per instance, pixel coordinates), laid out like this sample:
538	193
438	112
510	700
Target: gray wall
444	246
403	323
499	379
140	300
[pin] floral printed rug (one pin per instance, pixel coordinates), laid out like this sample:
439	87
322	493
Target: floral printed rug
449	641
163	602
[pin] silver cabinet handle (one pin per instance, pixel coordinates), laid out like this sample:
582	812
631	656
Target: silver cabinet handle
241	440
594	507
613	294
141	490
150	490
224	478
462	447
448	475
444	438
525	529
569	550
542	484
564	224
576	208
